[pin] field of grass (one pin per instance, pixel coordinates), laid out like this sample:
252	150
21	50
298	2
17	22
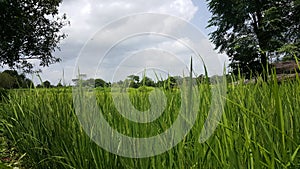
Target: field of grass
260	128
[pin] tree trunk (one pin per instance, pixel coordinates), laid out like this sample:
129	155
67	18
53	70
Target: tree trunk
261	40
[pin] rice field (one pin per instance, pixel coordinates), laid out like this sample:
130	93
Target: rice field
260	128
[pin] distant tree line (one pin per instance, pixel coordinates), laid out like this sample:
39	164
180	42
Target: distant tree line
91	82
47	84
134	81
11	79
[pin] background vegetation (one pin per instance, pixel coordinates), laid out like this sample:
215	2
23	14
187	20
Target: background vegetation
259	129
260	124
256	33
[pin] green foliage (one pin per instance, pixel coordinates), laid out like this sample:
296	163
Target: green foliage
169	83
91	82
2	166
46	84
290	51
134	81
59	85
145	89
259	129
10	79
252	32
3	94
146	81
29	31
6	81
100	83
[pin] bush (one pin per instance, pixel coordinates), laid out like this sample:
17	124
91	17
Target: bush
3	94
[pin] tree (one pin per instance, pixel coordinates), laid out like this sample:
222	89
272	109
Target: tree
79	80
15	80
28	83
29	31
252	32
100	83
6	81
170	83
292	46
46	84
89	82
59	84
146	81
134	81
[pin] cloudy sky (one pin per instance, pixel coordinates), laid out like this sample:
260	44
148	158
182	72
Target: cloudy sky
113	39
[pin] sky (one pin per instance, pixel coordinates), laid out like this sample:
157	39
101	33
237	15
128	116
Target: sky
113	39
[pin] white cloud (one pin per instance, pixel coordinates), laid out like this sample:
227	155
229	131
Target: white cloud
87	17
86	10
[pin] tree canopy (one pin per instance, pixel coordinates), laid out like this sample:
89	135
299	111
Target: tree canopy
11	79
253	32
30	30
47	84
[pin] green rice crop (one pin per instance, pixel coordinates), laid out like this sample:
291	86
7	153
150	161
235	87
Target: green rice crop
259	128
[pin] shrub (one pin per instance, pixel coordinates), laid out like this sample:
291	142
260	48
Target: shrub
3	94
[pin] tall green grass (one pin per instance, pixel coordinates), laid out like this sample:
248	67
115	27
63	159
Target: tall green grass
260	128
